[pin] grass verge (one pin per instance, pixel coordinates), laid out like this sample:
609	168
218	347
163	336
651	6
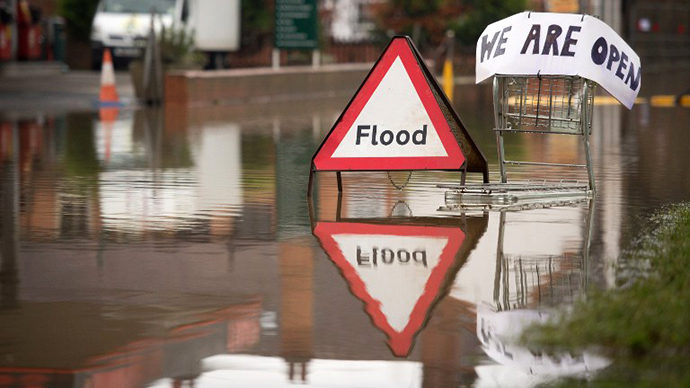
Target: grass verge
644	325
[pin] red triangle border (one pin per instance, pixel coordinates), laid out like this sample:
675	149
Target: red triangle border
398	47
399	342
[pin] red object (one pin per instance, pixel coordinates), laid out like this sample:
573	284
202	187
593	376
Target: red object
108	93
29	35
29	42
454	159
108	117
23	14
5	42
400	341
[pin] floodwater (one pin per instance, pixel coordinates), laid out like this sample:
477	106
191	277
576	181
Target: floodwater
164	248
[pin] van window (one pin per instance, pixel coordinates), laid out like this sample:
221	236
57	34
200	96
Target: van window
139	6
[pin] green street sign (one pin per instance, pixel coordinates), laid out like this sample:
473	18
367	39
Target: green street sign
296	25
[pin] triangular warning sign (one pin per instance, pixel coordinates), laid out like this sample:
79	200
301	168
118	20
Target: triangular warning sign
399	119
398	271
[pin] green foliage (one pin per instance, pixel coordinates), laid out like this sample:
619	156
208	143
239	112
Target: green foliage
257	23
177	49
416	8
481	13
629	372
80	159
645	323
467	18
427	19
78	16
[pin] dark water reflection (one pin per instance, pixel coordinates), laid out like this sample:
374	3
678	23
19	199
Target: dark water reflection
165	247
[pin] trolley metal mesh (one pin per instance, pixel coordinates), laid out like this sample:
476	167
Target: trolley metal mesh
528	280
543	105
540	280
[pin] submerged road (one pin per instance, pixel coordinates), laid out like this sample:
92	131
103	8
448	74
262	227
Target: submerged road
74	90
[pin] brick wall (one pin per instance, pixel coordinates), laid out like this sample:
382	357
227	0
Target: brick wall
264	84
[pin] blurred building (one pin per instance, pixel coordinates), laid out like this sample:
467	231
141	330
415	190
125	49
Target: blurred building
352	21
30	30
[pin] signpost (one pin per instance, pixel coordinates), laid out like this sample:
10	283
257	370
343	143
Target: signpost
399	119
296	28
296	25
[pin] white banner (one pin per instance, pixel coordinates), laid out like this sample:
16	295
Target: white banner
532	43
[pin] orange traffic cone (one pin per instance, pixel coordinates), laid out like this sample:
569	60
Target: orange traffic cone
108	94
108	115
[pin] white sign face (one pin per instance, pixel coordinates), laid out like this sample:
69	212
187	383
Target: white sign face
532	43
394	269
393	123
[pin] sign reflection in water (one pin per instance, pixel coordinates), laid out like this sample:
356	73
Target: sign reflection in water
399	267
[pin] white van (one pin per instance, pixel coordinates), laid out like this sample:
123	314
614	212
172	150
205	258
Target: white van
123	25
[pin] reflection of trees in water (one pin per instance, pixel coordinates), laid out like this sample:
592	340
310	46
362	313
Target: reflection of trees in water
293	154
78	196
79	157
169	135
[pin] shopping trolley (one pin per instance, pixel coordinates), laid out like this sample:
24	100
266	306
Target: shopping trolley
550	105
543	105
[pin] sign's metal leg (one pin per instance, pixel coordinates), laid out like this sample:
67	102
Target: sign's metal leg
310	187
501	157
339	177
590	169
588	243
499	135
585	136
498	284
312	213
339	207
